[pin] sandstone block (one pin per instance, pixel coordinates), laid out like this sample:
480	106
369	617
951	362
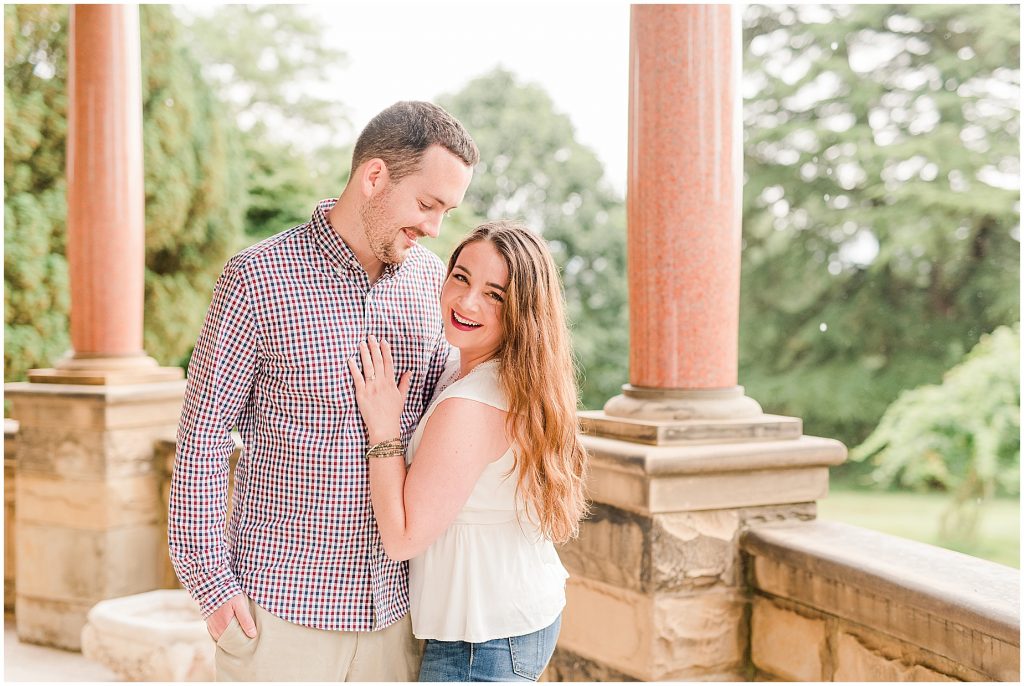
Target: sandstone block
654	637
787	644
84	454
10	525
58	563
55	623
96	505
856	661
693	549
738	489
613	547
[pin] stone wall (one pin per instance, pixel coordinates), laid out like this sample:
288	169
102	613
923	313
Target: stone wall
10	528
833	602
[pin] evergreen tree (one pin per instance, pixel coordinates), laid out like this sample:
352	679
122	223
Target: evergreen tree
533	169
193	208
269	64
881	234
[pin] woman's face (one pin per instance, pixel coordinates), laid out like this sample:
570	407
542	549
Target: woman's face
472	299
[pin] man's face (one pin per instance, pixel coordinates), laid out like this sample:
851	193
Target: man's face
402	212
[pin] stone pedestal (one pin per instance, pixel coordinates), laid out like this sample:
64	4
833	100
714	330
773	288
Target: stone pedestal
657	590
89	506
10	530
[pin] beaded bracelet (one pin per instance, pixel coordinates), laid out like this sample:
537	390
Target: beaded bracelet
392	448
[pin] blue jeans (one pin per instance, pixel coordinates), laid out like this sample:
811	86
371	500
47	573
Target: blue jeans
517	658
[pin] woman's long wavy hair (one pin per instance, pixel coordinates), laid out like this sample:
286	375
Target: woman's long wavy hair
537	372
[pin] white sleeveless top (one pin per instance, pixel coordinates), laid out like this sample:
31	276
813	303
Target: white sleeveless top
491	574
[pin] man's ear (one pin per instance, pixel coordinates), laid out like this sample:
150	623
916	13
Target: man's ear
373	176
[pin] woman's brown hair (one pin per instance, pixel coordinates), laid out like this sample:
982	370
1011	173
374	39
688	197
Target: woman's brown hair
538	375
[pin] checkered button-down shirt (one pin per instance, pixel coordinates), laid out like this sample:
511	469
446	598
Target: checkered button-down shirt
302	541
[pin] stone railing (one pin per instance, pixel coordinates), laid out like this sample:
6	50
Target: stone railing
10	528
748	592
833	602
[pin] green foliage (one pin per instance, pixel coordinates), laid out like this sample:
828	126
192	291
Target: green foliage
36	299
269	64
533	169
193	208
194	201
880	241
962	436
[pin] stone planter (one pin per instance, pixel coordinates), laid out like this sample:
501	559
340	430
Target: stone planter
154	636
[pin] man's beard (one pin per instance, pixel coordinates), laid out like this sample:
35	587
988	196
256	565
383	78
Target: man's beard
376	224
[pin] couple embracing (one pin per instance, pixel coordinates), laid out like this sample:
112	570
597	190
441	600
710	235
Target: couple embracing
409	429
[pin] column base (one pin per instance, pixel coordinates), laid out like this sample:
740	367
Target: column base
92	370
666	404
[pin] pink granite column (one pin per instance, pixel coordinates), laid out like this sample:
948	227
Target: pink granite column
685	171
106	231
106	222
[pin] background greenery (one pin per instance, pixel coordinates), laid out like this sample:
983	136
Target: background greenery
881	210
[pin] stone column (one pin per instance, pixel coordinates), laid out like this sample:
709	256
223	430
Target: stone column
106	229
89	508
682	462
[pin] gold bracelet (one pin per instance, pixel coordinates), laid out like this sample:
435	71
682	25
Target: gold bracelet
392	448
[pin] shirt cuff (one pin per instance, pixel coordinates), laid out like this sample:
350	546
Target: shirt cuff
218	589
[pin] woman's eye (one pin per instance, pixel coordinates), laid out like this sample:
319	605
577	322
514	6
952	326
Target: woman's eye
496	297
459	277
424	206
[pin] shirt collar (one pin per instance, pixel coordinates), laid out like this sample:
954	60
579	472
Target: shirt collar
335	249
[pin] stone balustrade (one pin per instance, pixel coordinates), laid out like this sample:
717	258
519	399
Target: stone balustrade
10	527
833	602
744	591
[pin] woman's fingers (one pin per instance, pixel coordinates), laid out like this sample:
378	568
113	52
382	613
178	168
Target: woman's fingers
367	360
377	357
389	363
357	376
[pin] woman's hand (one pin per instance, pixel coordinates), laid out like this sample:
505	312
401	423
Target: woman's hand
380	400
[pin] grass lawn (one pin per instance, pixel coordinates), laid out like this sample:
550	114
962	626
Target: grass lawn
916	516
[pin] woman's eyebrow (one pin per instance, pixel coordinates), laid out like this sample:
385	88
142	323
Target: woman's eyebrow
489	283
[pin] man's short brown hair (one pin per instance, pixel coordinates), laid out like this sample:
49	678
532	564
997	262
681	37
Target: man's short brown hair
400	134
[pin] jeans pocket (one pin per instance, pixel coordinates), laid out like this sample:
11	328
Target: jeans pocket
526	656
530	653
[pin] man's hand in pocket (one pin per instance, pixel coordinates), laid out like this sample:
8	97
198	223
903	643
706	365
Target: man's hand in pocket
236	606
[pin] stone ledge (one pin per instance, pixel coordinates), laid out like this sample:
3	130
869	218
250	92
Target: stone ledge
639	458
976	593
690	432
127	393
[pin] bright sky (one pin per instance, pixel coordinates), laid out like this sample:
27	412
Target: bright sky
578	52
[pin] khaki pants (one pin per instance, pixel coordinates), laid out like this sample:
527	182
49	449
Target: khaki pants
283	651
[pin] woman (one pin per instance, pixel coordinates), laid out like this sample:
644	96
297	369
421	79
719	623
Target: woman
496	471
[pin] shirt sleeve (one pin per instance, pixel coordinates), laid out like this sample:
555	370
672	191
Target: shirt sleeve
220	378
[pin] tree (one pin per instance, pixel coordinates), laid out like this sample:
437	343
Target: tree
881	233
194	200
35	271
193	215
533	169
268	63
961	436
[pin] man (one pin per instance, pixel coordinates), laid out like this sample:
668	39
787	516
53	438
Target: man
300	587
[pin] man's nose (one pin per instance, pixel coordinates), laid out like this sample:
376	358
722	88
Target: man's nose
432	226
